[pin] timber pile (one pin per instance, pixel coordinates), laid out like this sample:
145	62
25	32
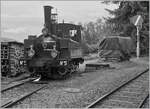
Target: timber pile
11	55
4	59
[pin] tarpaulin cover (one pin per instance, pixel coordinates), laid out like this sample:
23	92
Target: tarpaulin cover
116	46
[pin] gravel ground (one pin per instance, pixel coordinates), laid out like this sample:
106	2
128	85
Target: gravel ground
101	86
7	80
18	91
84	86
128	98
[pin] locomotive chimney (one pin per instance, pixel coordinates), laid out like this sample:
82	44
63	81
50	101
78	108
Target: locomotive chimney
47	18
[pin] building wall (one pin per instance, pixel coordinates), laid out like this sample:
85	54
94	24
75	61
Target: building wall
11	54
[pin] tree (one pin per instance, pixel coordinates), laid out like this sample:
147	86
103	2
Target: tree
122	16
94	32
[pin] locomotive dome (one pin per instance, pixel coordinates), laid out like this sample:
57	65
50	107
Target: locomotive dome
45	29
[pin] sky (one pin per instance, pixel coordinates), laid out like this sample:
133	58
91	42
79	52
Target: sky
22	18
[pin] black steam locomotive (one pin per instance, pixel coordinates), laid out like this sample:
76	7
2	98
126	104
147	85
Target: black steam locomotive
56	54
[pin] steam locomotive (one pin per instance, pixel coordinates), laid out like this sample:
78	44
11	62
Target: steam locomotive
57	55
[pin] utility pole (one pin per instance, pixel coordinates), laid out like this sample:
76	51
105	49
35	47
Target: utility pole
138	43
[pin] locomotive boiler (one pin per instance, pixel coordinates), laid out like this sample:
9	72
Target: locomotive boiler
56	54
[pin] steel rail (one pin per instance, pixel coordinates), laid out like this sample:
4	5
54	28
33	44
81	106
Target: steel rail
16	100
114	90
143	101
16	85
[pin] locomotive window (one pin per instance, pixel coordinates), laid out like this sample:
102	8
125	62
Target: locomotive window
72	32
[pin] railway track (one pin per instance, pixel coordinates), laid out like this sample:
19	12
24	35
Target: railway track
146	103
16	84
131	94
143	102
13	94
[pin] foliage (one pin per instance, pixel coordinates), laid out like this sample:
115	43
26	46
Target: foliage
122	16
93	32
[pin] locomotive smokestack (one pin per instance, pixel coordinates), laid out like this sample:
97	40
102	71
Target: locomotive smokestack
47	17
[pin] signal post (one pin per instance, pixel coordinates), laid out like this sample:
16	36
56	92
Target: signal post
137	21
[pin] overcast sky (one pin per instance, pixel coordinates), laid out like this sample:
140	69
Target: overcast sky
22	18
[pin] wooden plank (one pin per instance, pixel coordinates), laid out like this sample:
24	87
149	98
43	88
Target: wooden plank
97	65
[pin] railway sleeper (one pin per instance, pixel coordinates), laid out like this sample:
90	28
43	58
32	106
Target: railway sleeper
135	101
127	94
132	90
118	104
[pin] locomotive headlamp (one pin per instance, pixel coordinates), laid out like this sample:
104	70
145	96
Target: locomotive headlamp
31	52
44	45
54	53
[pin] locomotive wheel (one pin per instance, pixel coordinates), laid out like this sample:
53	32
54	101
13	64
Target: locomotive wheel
33	72
38	74
74	68
59	73
62	71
